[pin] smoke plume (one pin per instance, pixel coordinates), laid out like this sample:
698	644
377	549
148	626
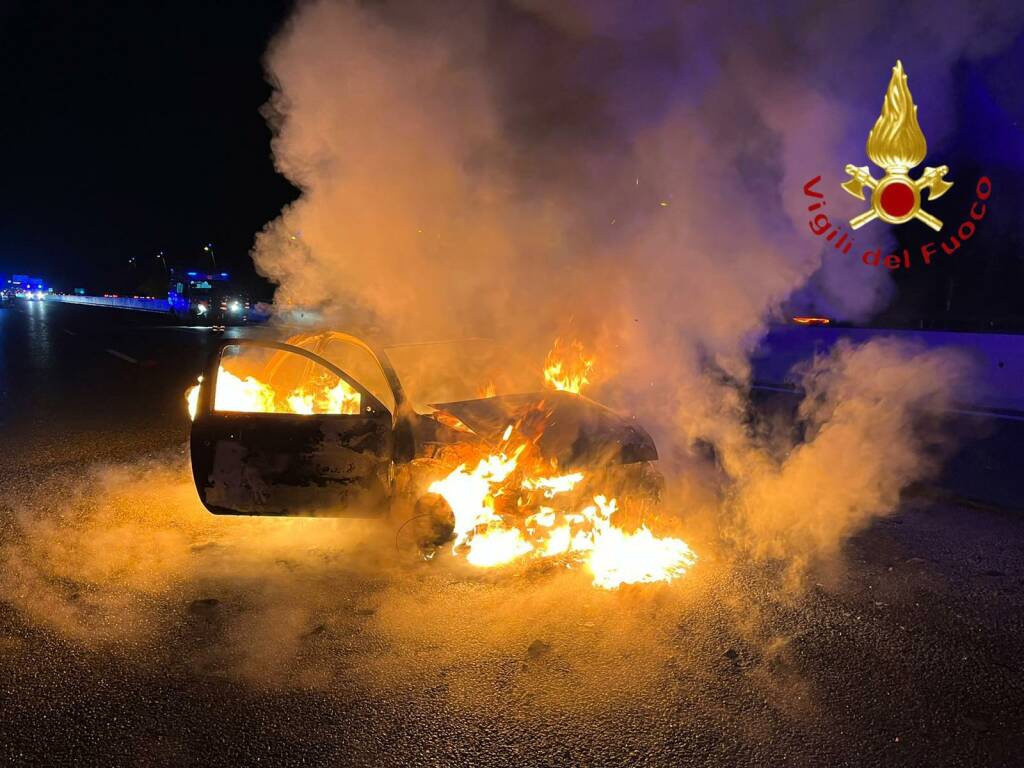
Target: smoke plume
630	175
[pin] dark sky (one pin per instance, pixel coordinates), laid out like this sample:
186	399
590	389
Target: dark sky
133	127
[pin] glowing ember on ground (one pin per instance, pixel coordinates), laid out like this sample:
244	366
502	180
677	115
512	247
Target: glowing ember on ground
585	535
568	367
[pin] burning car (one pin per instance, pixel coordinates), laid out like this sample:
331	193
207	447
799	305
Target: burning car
455	432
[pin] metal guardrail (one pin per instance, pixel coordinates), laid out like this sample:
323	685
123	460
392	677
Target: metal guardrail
997	380
121	302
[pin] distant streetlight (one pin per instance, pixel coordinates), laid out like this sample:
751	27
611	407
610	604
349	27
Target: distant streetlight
209	249
161	257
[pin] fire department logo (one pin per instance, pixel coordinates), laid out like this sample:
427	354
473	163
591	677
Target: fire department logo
896	144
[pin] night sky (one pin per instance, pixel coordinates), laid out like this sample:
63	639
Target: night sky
134	128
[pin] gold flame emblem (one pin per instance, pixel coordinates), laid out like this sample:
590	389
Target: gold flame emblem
897	144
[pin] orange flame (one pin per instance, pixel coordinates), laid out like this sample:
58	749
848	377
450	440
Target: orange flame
250	395
583	535
568	367
810	320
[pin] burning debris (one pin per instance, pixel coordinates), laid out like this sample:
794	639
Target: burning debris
512	506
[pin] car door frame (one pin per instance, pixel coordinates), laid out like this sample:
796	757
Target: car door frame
370	406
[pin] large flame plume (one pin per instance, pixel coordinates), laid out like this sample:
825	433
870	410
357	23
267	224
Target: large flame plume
896	141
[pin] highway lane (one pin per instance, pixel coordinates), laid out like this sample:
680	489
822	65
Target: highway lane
65	368
135	629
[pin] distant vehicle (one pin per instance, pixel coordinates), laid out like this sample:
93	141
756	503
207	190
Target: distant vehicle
206	298
26	287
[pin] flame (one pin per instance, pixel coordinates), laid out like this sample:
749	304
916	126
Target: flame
617	557
808	320
192	398
896	141
250	395
568	367
587	535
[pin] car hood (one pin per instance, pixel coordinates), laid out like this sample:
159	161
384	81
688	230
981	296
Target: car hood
577	431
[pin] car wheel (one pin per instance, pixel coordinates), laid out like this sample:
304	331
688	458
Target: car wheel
429	527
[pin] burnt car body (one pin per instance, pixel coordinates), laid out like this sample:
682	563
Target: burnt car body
357	463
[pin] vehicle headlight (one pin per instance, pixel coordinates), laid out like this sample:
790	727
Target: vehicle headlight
201	309
39	294
234	306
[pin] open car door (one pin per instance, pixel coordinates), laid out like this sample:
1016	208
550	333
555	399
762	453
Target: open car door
280	430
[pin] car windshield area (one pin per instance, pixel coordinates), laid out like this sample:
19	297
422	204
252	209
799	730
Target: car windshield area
353	357
258	379
463	369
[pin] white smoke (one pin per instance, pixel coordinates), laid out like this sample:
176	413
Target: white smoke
632	174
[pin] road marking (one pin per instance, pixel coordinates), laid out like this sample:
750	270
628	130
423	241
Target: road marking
122	356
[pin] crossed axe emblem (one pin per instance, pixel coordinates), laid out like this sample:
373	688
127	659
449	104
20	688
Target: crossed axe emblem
896	198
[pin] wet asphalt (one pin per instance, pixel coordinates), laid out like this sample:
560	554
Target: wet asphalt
191	640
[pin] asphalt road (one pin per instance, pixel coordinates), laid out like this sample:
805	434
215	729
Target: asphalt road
135	629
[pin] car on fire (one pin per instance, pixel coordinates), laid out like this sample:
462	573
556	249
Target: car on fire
328	424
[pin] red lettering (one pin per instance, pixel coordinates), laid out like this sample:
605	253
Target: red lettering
809	188
970	230
892	261
950	251
822	225
927	251
978	216
983	181
872	258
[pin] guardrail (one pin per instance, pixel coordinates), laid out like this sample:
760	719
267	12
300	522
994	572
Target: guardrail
998	358
121	302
